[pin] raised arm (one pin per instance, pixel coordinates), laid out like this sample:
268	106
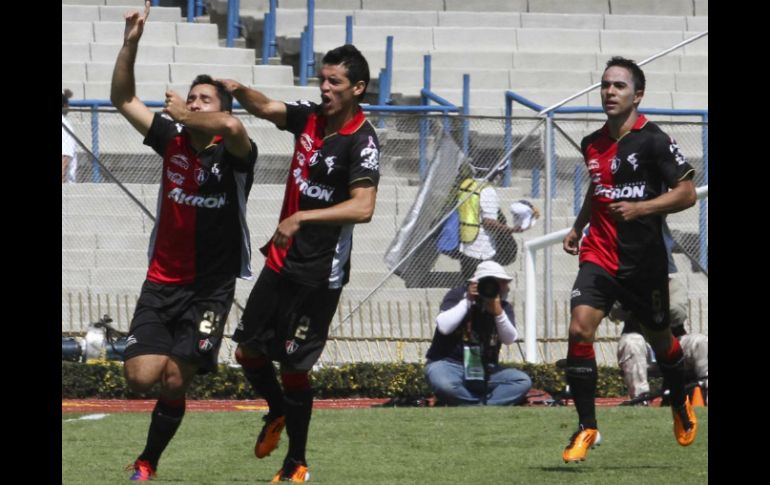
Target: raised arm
123	90
257	103
211	123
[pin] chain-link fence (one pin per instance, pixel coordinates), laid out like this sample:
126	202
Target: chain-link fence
385	314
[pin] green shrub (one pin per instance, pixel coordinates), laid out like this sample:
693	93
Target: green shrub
105	380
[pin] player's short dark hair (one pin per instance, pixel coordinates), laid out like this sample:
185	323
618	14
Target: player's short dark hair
354	62
225	98
637	75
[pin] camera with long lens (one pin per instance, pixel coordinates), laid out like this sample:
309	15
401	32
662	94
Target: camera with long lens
488	287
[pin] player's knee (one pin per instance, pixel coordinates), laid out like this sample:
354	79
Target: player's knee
248	358
173	385
241	353
139	381
583	323
580	333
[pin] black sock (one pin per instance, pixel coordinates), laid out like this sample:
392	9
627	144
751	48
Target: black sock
261	375
166	418
581	377
298	404
671	365
673	377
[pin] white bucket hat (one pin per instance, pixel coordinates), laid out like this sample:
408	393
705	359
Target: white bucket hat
489	268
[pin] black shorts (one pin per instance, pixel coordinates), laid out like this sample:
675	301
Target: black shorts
172	320
287	321
646	295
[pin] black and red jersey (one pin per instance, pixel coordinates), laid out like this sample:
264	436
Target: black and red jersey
322	170
200	231
641	165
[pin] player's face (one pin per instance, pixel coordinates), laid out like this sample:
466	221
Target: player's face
617	92
338	94
203	97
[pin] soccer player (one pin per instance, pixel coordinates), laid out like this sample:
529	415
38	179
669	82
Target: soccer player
632	164
199	245
331	186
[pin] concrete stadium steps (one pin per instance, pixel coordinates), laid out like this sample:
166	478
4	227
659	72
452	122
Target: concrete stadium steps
472	62
289	22
237	64
411	80
520	42
118	140
115	13
665	7
674	7
148	53
163	33
155	91
541	38
411	38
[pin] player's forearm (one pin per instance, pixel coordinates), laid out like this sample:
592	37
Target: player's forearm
252	100
677	199
585	211
352	211
344	213
212	123
123	87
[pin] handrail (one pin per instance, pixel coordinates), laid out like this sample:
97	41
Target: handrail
233	20
435	97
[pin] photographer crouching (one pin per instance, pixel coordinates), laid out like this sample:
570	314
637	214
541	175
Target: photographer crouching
462	361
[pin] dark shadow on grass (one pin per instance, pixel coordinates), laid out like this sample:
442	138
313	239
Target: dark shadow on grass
560	469
577	469
223	481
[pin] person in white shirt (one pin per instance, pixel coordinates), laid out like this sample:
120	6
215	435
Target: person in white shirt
69	159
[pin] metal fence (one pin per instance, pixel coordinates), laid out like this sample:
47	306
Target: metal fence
384	314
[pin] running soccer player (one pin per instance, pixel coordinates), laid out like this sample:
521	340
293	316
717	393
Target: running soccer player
632	164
